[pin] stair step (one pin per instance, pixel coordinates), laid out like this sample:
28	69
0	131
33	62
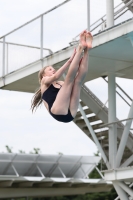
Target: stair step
97	126
94	126
87	112
82	104
82	122
102	133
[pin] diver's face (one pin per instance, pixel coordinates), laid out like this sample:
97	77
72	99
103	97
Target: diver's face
49	71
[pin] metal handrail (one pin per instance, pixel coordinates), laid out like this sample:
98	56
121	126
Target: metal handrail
122	91
126	5
48	11
93	96
104	20
23	45
41	36
115	122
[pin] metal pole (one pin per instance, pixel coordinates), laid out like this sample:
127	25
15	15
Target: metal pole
124	137
3	68
41	41
7	60
110	13
94	136
88	15
120	191
111	118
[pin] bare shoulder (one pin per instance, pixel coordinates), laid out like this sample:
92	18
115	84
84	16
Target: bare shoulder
47	80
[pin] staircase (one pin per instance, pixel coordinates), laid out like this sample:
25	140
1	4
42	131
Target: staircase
129	4
97	114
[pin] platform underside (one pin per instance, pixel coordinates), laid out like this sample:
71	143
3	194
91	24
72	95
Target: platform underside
17	188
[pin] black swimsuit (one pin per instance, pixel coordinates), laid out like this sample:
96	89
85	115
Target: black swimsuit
49	96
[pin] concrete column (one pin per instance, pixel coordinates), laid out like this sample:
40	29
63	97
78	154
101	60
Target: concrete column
88	15
112	118
110	13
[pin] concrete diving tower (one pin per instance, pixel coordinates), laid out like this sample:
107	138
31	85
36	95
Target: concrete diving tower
111	56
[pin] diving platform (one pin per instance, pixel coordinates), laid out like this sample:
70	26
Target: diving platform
38	175
112	52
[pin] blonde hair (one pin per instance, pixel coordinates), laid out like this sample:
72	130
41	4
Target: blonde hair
37	98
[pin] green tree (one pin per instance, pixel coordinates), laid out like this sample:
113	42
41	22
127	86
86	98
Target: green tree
21	151
9	149
36	151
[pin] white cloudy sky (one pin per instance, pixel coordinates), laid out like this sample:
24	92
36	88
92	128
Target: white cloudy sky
19	128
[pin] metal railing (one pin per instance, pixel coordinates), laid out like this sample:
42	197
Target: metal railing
41	48
117	86
6	71
102	21
101	105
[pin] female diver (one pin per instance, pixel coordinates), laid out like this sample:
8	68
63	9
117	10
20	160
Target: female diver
60	98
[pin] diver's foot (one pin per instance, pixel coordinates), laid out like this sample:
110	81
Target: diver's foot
82	41
89	39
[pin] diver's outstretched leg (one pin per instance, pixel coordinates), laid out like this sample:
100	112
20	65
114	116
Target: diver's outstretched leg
83	69
62	102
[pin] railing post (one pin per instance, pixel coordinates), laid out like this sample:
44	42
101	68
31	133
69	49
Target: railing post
41	39
88	15
3	62
7	59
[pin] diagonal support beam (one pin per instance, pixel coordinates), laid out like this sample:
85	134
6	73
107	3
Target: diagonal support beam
122	194
40	171
126	188
9	165
94	136
128	161
15	170
73	171
124	138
